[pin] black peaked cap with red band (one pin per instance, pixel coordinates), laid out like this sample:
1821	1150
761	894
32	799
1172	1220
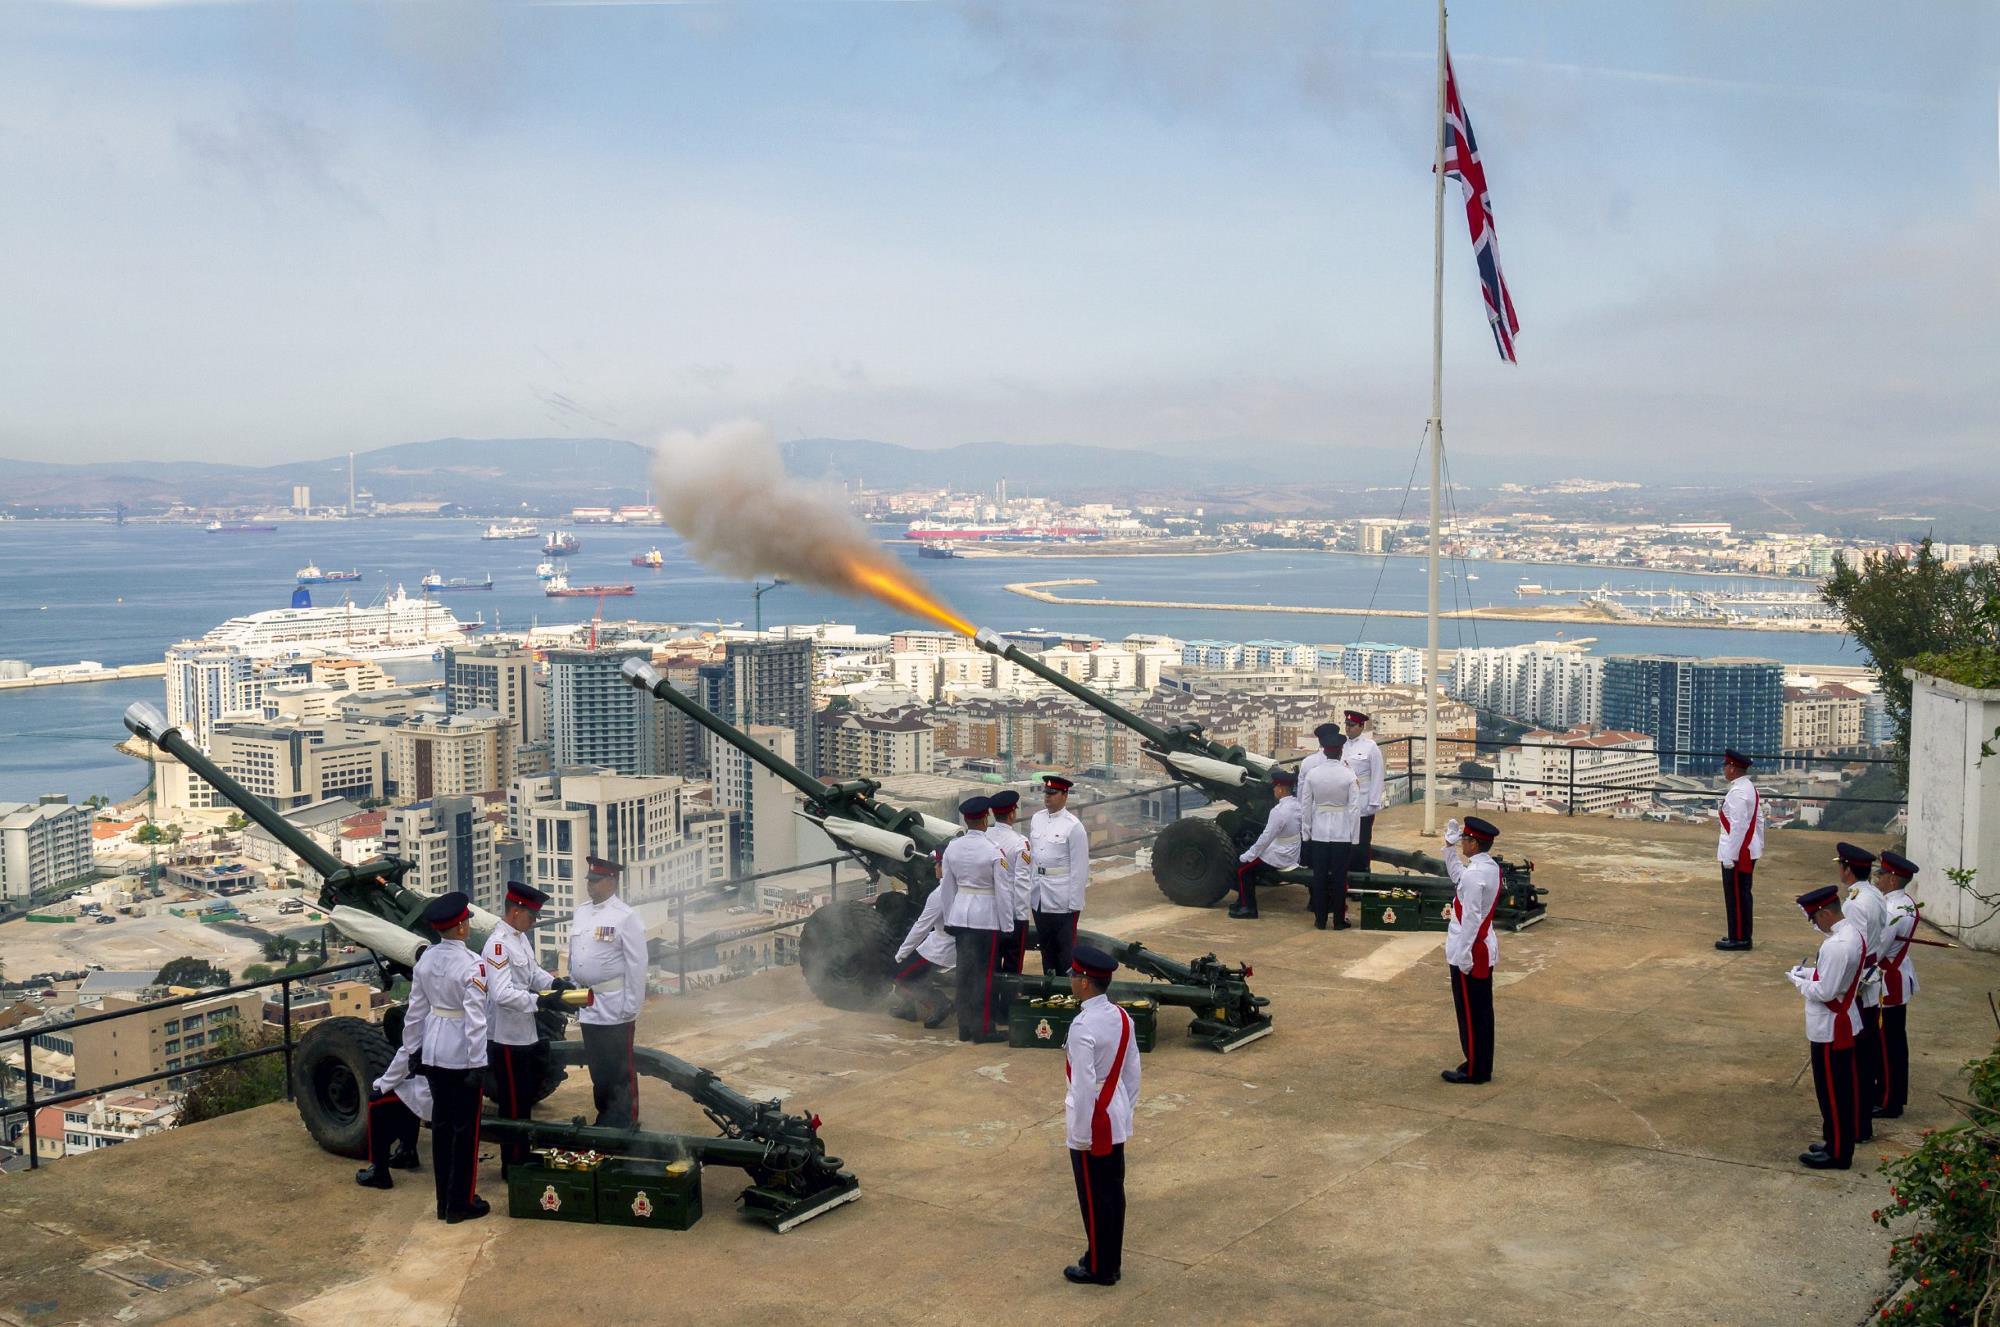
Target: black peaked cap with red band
1087	961
525	896
447	910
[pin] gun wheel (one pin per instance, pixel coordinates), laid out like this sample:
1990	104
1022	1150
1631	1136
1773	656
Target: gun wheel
898	911
847	951
1194	863
333	1067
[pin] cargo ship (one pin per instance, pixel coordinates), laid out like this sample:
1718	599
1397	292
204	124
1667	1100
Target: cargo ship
936	549
310	574
217	527
511	530
561	543
651	558
559	587
436	584
548	567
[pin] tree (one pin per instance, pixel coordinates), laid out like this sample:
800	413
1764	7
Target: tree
148	833
235	822
190	971
1881	786
228	1088
1897	608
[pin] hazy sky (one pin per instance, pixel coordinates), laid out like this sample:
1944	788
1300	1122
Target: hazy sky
1753	235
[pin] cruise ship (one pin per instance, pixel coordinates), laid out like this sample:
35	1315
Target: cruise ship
396	622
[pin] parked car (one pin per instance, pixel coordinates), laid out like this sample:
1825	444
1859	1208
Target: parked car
105	919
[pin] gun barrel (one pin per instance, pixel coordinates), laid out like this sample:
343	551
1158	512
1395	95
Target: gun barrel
148	723
1014	654
644	676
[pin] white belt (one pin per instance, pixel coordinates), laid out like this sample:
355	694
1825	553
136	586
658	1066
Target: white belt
975	889
1291	842
442	1012
612	987
1043	870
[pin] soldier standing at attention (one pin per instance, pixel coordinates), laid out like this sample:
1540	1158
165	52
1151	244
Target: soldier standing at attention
444	1030
1103	1072
1471	949
397	1104
607	952
515	983
1741	844
976	902
1899	983
1869	911
1277	847
1828	986
1330	803
1006	804
1059	856
1364	757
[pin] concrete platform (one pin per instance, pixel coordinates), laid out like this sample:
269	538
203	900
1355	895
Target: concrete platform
1633	1159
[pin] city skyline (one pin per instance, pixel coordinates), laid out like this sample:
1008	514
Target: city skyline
269	233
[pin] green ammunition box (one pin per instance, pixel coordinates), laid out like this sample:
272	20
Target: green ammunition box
543	1193
1411	912
634	1192
1030	1024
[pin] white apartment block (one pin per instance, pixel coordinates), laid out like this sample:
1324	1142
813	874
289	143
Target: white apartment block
1554	684
42	844
1582	770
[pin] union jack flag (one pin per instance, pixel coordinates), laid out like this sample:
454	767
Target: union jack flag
1461	163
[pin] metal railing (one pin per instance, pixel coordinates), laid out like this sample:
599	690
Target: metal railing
1579	778
26	1037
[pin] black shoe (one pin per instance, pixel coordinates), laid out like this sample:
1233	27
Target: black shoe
906	1012
373	1177
479	1208
1319	923
1821	1161
1241	913
963	1035
1817	1147
988	1038
1460	1076
1342	924
1887	1112
404	1158
940	1014
1727	944
1076	1274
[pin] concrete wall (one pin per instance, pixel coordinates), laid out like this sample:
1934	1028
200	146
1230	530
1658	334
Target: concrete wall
1955	805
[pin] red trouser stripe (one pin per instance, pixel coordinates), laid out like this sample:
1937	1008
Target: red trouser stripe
632	1070
513	1099
1832	1093
1882	1044
992	961
1089	1213
472	1170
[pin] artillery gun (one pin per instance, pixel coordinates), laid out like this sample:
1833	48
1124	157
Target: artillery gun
793	1179
847	948
1195	859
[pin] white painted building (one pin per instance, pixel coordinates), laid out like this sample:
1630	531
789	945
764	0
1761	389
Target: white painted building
1555	684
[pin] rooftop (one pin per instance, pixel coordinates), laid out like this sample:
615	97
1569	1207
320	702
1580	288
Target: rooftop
1633	1158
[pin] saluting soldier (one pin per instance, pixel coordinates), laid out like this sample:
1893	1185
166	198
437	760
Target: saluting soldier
444	1030
399	1102
1869	911
1330	803
1471	949
1006	804
1059	857
1899	983
517	986
1828	986
928	952
1276	849
977	906
1740	845
1102	1067
607	953
1364	757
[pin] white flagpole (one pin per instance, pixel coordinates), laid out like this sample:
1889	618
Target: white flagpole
1436	431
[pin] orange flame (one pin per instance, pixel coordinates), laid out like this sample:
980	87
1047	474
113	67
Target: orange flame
892	586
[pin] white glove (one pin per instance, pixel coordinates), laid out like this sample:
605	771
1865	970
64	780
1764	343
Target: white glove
1452	831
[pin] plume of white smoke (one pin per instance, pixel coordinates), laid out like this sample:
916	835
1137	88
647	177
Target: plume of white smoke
726	492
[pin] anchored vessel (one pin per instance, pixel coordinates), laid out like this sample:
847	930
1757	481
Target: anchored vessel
510	530
561	543
310	574
792	1178
558	587
437	584
651	558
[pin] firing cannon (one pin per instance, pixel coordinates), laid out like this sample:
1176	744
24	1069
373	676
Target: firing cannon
793	1179
847	948
1195	858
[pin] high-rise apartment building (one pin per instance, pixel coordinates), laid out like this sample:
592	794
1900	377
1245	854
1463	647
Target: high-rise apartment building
599	720
455	756
500	678
770	682
1553	684
450	843
42	844
859	744
760	802
290	766
1693	708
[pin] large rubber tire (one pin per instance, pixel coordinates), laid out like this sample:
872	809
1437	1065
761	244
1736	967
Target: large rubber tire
333	1068
848	952
898	911
1194	863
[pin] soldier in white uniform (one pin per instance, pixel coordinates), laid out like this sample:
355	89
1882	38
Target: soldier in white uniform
399	1103
1276	849
1006	804
1364	757
1739	846
1323	734
978	908
1103	1072
1899	983
1864	906
926	954
1059	856
1829	987
1471	949
516	986
1330	802
607	953
444	1030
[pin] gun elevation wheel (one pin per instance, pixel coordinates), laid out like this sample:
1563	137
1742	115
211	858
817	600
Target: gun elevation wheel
1193	863
898	911
333	1067
847	951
